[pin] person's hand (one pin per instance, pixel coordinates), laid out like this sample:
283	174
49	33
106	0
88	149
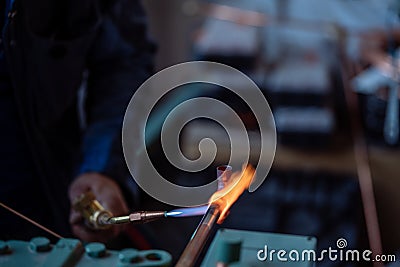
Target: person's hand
108	193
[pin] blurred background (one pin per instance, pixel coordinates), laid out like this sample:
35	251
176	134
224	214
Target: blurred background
336	168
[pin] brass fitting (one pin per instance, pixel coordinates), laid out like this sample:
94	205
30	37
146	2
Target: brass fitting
95	215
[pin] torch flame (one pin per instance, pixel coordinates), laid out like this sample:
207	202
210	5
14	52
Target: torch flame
225	197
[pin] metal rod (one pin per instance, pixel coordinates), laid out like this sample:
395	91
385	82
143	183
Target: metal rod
199	238
31	221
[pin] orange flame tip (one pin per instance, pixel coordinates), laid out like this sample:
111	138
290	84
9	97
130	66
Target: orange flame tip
225	197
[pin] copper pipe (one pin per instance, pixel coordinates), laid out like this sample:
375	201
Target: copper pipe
31	221
199	238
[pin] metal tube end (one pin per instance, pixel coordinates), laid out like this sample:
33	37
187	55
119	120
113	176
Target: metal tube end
118	220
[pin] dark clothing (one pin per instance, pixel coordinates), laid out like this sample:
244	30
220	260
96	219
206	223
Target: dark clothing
18	177
51	48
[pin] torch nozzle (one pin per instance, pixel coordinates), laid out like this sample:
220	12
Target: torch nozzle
137	217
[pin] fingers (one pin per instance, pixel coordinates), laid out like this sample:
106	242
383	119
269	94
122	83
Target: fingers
108	193
83	232
78	187
75	217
